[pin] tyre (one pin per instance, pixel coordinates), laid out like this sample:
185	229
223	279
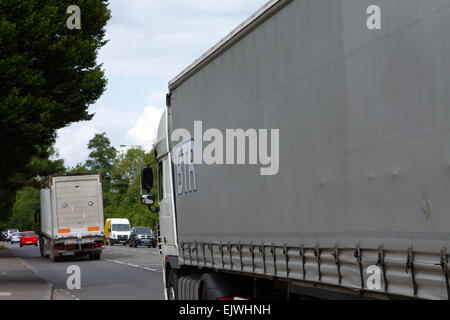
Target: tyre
21	245
149	246
131	244
125	244
51	256
41	248
94	255
172	285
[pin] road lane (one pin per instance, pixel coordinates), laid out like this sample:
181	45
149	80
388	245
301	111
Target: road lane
122	273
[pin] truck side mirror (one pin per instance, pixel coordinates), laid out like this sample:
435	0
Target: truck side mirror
147	179
147	199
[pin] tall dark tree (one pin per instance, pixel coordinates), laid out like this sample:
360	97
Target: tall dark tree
48	78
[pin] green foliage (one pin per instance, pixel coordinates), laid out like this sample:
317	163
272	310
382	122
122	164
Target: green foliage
24	210
79	168
101	158
49	77
121	180
124	198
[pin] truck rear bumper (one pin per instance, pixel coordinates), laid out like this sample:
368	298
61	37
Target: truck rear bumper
88	244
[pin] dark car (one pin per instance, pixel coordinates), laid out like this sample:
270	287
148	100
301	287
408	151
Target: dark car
142	236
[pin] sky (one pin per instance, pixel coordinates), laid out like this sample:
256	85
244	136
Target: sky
150	42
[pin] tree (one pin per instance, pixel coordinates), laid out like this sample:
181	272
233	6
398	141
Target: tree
49	77
79	168
102	156
122	201
27	200
24	210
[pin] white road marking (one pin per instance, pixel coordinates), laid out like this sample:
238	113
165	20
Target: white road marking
5	294
73	296
133	265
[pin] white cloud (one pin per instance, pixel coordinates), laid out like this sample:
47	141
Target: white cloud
160	38
73	140
145	130
152	40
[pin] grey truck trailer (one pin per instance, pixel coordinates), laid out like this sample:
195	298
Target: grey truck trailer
350	102
71	216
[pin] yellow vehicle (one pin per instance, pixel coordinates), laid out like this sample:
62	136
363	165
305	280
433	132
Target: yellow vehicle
117	231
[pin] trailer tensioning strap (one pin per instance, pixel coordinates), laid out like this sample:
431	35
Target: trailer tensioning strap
286	256
380	263
317	253
358	256
302	254
444	266
336	254
410	266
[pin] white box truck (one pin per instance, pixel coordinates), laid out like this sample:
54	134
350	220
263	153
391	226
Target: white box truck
357	205
71	216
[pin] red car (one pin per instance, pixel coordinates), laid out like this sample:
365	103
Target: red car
28	238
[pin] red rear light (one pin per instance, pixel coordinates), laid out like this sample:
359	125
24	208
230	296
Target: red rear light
226	299
100	244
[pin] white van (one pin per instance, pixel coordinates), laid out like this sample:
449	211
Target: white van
117	231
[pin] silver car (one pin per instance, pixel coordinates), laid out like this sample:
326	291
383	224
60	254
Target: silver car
15	237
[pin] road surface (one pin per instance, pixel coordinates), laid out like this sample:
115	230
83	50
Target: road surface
121	273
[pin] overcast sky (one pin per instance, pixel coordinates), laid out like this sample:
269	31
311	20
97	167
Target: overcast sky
150	42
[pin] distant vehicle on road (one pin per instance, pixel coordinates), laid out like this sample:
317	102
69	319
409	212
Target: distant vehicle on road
142	236
10	233
71	216
117	231
15	237
28	238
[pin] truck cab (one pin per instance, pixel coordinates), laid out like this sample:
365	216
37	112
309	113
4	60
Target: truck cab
166	209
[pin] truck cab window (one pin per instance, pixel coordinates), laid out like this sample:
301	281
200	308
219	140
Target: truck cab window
160	181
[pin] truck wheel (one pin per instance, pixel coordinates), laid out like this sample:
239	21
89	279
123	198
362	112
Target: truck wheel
125	244
172	286
94	255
